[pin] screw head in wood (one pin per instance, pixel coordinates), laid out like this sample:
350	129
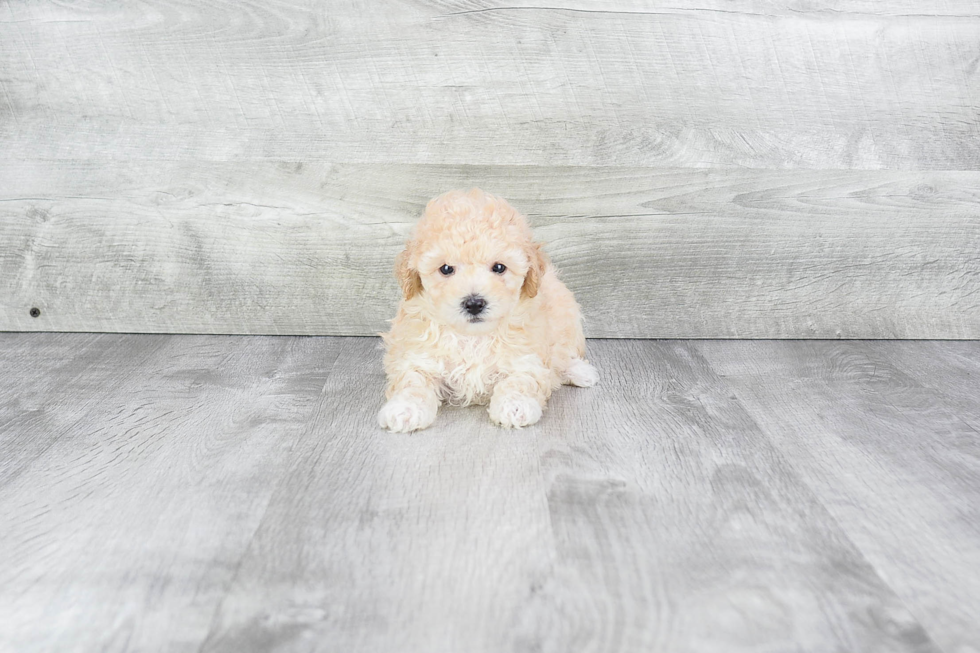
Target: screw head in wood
35	312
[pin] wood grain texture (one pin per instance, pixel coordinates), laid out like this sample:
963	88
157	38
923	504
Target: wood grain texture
235	494
699	83
739	168
951	369
895	462
159	459
57	389
375	542
679	527
300	248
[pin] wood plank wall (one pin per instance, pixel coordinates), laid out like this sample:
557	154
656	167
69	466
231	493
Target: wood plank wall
698	168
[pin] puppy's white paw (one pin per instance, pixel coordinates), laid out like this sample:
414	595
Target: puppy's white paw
514	410
404	414
581	374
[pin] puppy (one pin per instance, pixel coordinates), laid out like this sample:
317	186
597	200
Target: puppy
484	318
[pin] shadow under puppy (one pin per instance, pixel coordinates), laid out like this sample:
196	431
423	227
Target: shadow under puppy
484	318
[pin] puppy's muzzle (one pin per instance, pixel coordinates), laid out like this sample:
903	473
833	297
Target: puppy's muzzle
474	304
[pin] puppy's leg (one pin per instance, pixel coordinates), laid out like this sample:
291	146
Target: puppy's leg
518	400
412	405
568	340
580	373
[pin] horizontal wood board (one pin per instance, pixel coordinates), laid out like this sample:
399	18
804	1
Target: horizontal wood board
298	248
695	83
698	168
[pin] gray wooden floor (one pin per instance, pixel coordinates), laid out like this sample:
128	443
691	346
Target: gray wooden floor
211	493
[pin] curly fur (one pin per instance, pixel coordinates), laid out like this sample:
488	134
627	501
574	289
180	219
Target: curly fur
526	343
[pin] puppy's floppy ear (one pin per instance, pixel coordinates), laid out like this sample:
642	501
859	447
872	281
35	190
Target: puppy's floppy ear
538	262
408	276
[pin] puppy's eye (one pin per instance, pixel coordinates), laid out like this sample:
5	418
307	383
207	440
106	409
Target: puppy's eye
498	268
447	270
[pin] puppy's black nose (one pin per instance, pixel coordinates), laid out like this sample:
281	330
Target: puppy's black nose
474	304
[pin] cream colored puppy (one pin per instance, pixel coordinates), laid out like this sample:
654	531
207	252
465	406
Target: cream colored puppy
484	318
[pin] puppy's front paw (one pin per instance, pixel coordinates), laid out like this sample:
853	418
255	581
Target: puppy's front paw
581	374
404	414
514	410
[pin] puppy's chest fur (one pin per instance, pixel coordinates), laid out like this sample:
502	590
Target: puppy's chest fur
468	369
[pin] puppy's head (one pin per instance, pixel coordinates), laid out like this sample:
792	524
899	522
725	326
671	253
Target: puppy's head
470	261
